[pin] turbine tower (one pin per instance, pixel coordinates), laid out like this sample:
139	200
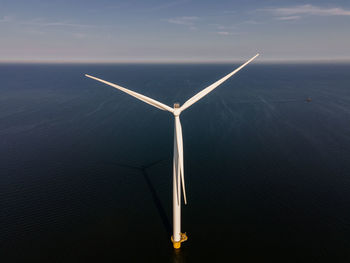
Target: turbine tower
178	161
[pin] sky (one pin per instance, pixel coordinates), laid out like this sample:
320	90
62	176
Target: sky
174	30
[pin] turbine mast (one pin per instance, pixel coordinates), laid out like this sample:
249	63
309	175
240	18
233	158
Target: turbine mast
178	180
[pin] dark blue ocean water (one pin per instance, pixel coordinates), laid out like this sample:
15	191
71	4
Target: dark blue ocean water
86	169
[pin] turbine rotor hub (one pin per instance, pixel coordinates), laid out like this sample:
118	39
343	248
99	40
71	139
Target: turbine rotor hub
177	109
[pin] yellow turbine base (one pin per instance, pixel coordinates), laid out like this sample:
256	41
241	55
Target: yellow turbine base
177	244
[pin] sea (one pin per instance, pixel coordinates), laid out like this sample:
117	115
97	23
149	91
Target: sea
86	170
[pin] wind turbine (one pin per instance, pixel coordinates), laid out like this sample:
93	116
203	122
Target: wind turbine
178	162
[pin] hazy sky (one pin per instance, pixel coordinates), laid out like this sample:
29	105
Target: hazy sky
175	30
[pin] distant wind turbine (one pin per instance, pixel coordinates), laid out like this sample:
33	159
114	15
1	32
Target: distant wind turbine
178	161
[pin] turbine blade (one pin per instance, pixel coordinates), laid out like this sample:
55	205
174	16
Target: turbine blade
181	155
141	97
205	91
176	167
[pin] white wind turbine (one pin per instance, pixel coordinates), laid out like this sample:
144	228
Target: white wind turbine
178	162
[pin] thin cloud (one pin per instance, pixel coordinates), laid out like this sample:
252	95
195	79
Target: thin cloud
252	22
184	20
165	5
36	32
226	33
308	10
223	27
5	19
55	24
223	33
40	22
288	18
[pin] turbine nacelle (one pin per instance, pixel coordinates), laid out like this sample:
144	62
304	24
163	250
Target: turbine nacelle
177	110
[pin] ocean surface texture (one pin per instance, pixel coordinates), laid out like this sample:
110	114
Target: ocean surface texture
86	170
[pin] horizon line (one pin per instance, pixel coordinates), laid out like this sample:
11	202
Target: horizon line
169	61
